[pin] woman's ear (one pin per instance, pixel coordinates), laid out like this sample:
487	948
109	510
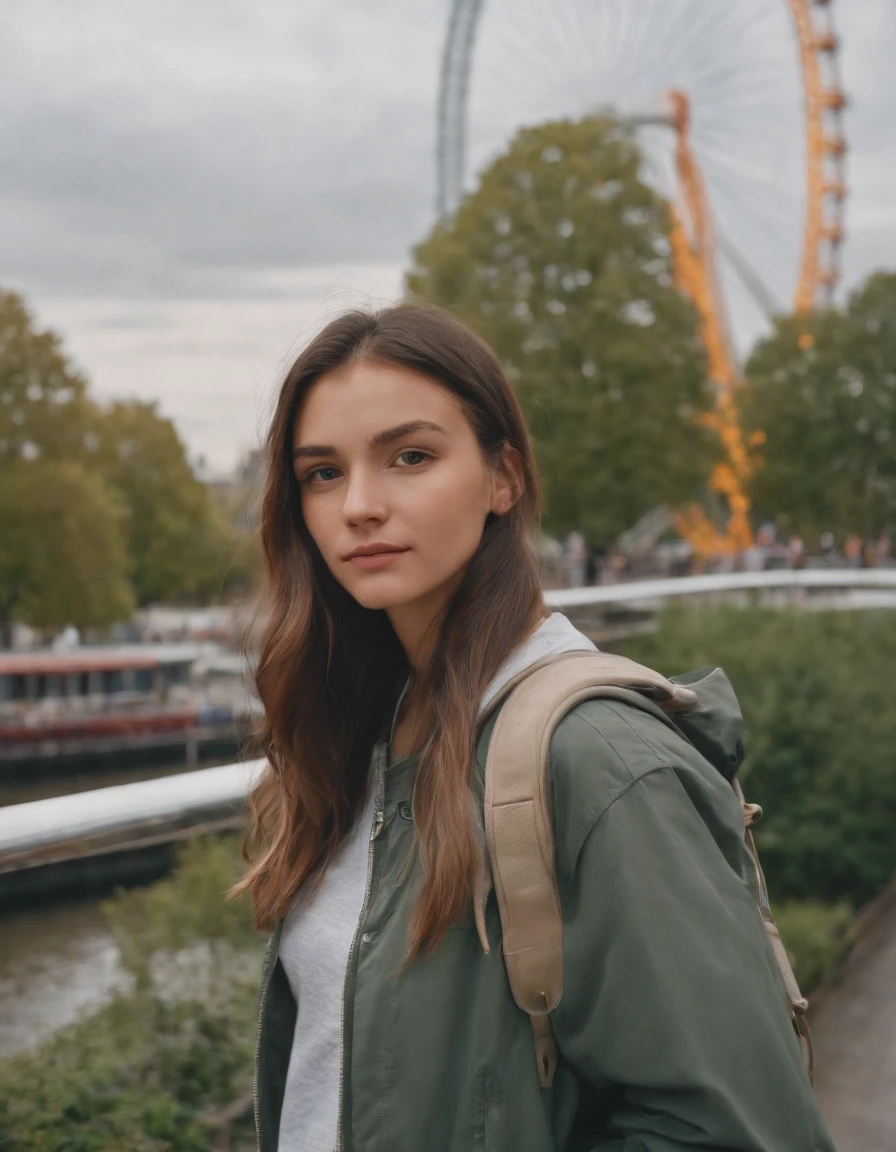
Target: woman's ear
509	481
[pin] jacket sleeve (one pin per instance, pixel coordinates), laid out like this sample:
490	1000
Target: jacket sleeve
670	991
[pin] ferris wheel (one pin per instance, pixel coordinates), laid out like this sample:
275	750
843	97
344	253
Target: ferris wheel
738	108
764	100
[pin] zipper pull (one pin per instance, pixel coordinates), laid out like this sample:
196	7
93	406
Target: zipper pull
378	821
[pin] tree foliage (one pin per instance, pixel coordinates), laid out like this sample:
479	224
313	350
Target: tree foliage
177	535
829	415
62	550
819	732
44	407
99	508
561	260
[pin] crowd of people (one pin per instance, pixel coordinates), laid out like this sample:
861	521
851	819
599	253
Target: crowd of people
769	551
571	564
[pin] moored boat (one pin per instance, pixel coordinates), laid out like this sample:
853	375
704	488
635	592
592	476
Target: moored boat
64	708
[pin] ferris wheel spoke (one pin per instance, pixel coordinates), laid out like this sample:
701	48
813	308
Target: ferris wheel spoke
606	40
582	36
666	50
534	54
605	35
532	104
701	23
713	84
721	170
625	29
750	278
753	34
738	61
649	34
526	38
757	218
725	85
553	27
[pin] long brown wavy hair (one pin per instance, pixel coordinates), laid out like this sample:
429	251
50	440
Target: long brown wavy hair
328	667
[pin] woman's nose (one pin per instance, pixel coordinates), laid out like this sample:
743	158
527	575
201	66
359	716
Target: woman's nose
364	498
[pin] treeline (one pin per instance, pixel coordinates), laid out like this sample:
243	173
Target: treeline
100	510
561	259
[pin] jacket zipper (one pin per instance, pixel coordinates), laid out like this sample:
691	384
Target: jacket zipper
265	985
378	821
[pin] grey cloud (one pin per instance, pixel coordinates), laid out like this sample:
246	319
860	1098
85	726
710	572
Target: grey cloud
173	150
103	186
242	190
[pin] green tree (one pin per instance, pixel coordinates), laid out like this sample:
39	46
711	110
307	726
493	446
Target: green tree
96	504
819	731
44	408
62	552
561	260
177	535
829	415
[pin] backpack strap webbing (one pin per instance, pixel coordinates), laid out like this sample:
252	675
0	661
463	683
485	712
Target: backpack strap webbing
799	1005
519	825
520	833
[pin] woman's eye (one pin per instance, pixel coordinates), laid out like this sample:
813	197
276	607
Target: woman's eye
413	457
322	474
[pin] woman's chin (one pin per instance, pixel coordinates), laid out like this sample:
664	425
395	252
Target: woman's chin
382	598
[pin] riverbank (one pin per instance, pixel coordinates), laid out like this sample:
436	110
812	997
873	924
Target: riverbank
58	957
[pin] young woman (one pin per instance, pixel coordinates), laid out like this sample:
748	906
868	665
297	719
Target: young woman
400	505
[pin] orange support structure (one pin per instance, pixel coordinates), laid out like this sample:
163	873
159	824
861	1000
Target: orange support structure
694	255
694	252
823	230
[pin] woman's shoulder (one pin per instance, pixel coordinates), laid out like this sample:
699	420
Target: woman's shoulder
603	745
607	752
599	747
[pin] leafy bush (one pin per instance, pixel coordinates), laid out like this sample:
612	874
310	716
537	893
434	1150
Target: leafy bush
820	735
817	937
154	1069
160	1066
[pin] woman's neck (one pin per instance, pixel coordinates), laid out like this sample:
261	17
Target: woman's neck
408	735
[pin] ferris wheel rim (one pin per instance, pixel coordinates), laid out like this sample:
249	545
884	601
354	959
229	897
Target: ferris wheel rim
824	190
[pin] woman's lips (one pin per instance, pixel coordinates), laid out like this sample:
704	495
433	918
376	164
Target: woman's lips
376	560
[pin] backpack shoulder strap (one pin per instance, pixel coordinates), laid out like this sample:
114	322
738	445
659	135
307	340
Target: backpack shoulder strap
519	825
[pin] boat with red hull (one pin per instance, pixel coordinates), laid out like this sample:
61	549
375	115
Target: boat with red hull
146	702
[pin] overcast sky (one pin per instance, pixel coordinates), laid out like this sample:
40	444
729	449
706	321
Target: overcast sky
188	186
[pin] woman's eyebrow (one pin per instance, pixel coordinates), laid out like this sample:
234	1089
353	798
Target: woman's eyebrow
387	436
408	429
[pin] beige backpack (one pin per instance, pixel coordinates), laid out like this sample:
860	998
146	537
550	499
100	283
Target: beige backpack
520	834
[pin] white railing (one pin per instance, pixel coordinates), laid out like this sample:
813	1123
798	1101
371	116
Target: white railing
156	811
125	816
646	591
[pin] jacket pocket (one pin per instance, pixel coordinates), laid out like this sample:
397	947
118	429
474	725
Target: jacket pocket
488	1103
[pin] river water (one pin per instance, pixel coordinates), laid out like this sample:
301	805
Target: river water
58	961
55	962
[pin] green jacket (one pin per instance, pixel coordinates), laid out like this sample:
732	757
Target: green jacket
673	1030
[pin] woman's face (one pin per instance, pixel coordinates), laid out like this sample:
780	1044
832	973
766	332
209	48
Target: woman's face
388	464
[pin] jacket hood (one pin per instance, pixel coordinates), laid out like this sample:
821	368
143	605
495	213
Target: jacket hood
715	726
553	636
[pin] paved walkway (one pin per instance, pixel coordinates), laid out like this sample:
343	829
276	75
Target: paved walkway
855	1041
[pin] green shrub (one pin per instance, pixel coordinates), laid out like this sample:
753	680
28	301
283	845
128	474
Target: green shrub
151	1070
817	937
820	735
147	1071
